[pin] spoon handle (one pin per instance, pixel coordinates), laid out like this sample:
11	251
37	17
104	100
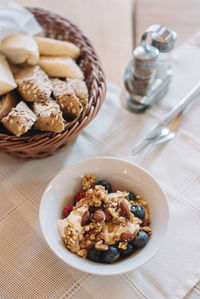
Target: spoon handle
154	134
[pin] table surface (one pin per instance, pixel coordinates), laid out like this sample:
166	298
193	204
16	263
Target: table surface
30	269
110	24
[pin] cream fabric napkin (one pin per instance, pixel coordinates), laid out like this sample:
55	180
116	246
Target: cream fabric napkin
15	18
28	269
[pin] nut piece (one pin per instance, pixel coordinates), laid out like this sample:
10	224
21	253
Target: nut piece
112	212
82	253
108	216
100	246
125	209
99	216
87	181
95	196
127	236
85	219
123	245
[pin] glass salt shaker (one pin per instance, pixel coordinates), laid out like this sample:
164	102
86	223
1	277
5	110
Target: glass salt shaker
139	76
149	73
165	47
144	66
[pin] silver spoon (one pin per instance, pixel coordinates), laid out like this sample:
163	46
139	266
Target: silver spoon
166	128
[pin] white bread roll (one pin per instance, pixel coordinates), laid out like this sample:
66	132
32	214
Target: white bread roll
20	48
60	67
52	47
7	82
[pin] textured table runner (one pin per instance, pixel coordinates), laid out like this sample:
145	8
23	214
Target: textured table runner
28	268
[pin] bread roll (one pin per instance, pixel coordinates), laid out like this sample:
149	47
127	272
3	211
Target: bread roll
52	47
20	48
7	82
60	67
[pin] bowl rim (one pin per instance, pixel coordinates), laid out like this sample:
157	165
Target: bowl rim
71	264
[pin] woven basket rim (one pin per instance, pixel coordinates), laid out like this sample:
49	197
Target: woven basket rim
95	79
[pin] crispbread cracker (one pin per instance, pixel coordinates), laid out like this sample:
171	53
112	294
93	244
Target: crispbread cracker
20	119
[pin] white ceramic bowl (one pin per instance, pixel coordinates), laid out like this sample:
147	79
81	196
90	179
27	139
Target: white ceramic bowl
123	175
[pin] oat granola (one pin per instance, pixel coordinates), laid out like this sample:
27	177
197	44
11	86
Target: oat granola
104	226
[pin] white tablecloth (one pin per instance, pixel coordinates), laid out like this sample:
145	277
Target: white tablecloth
28	269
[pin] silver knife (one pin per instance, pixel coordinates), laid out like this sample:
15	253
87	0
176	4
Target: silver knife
155	133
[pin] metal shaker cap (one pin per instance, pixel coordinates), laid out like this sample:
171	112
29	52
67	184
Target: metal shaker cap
164	40
145	60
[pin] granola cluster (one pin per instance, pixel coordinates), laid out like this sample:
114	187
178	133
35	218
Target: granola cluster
101	219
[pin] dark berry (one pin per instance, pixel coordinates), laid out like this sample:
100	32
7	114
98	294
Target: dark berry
129	250
79	196
95	255
106	184
141	239
138	211
67	210
92	209
131	196
111	255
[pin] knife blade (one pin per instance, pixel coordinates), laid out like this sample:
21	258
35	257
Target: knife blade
155	132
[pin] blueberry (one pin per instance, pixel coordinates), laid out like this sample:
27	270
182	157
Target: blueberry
141	239
138	211
92	209
106	184
111	255
130	249
131	196
95	255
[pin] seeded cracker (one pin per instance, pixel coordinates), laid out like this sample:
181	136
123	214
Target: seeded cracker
7	102
66	98
33	84
49	116
20	119
80	90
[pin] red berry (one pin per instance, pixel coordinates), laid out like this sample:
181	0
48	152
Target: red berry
79	196
67	210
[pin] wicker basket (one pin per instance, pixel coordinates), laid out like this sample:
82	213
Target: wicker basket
42	144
